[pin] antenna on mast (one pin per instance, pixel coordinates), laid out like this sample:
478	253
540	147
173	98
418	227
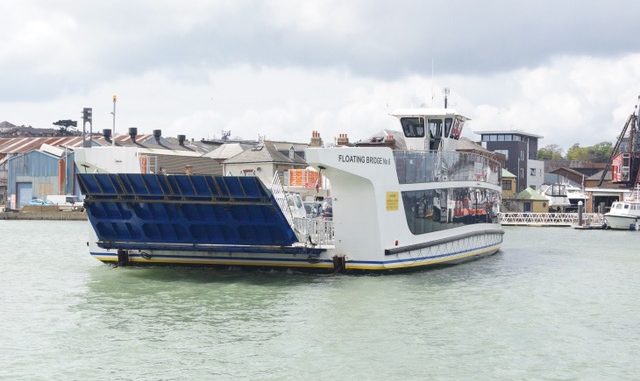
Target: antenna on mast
446	96
433	94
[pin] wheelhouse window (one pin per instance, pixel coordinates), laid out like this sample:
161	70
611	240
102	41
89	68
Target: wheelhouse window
506	184
456	129
435	128
448	123
413	127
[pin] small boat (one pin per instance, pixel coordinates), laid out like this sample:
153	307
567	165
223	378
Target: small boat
625	215
419	205
563	196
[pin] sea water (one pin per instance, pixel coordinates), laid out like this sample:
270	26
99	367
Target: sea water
554	303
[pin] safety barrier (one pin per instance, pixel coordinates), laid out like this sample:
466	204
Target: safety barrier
315	231
550	219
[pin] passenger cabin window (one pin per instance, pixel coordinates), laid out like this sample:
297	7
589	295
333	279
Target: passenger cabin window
413	127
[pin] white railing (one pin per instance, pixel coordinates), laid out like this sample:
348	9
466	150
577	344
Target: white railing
281	198
315	231
310	231
550	219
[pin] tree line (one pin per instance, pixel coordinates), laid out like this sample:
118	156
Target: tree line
597	153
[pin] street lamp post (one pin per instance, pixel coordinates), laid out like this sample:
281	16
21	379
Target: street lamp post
113	130
113	140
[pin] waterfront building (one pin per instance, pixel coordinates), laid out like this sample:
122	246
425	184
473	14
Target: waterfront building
520	149
35	164
35	167
38	173
508	182
530	200
263	161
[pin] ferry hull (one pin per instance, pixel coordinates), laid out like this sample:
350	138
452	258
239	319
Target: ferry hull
446	253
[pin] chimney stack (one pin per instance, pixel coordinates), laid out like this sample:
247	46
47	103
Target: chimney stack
157	134
107	134
133	132
316	140
181	139
343	140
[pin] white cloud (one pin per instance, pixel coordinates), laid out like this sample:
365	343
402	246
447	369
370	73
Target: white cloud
334	17
284	68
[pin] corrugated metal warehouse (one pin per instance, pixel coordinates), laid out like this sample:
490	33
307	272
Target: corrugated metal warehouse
37	174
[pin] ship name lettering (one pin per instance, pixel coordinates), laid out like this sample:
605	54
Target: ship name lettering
362	159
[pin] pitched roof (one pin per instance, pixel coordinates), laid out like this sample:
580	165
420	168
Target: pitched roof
598	175
465	144
264	153
506	174
226	151
530	194
26	144
6	125
393	137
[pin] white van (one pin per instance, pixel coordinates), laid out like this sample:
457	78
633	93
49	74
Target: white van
66	202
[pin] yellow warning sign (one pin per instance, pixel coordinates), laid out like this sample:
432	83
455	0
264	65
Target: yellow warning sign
392	201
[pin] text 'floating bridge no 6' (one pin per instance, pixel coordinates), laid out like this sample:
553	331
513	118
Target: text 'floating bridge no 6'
155	211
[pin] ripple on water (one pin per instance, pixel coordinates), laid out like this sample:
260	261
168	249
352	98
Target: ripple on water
553	304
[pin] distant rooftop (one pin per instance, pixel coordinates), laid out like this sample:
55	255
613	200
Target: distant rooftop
530	194
507	175
265	152
508	132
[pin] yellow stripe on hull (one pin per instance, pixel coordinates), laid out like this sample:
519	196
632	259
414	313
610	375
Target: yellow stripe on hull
220	262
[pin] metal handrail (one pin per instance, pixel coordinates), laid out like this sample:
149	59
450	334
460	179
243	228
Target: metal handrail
316	231
549	219
281	198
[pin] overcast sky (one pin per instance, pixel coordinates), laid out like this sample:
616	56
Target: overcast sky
568	70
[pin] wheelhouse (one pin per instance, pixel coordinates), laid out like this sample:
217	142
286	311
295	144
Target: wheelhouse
429	129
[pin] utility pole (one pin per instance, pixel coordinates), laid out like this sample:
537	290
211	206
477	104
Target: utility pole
113	139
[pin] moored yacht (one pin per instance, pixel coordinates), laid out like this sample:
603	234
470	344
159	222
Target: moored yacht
428	204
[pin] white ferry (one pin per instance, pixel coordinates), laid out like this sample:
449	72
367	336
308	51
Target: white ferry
393	209
625	215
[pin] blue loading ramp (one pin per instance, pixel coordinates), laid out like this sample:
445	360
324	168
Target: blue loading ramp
164	211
